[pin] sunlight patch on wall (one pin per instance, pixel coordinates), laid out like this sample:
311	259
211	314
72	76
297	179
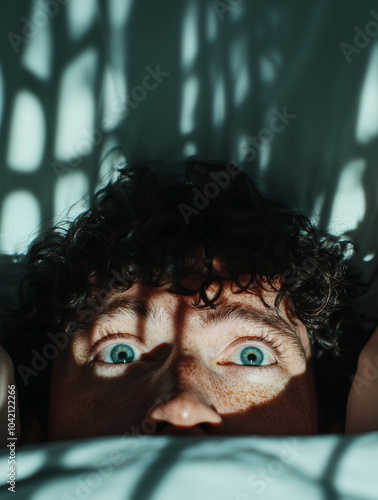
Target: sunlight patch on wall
367	122
211	23
20	216
37	54
241	86
318	206
113	158
114	83
368	257
264	156
238	66
27	134
237	9
189	47
76	109
119	12
219	102
349	201
80	17
189	149
70	197
188	103
267	70
114	98
242	148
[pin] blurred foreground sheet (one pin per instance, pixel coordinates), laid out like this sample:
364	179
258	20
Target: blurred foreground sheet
328	467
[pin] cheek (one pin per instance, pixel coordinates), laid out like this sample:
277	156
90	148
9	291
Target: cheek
82	405
275	409
239	397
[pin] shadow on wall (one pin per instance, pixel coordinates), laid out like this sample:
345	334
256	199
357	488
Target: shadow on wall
287	89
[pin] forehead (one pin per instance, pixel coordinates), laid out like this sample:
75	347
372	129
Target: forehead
156	306
153	303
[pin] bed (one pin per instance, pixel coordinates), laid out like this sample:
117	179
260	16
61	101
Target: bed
235	468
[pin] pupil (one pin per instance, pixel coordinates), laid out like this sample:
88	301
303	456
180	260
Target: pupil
122	355
252	357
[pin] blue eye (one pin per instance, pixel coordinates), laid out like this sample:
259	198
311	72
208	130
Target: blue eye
252	356
119	353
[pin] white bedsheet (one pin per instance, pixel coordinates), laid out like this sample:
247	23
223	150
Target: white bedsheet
326	467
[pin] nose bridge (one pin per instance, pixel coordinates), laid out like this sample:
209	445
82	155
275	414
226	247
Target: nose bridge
186	364
184	399
184	359
185	372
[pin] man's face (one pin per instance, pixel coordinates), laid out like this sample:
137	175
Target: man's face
237	369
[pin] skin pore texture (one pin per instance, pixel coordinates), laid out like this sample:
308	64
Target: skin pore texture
189	371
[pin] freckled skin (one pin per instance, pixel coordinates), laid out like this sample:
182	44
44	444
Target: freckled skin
182	388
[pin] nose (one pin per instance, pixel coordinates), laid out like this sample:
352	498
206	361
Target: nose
186	412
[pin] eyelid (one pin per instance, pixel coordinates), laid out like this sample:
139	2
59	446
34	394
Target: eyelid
271	345
106	339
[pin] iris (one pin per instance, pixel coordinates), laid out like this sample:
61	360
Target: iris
252	355
122	353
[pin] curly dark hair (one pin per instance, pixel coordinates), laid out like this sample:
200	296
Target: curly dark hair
148	226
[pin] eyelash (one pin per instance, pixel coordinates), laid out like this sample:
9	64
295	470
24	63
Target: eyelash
276	345
106	335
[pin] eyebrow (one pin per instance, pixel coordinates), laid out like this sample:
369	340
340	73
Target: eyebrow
254	318
225	312
119	308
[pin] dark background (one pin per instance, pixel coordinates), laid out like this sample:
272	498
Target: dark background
67	68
